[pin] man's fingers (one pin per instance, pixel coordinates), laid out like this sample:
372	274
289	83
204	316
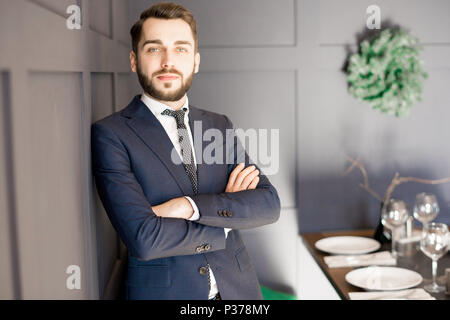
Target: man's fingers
157	211
248	179
241	176
233	175
254	183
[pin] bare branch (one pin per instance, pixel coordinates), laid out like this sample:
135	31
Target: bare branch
373	193
354	163
391	187
425	181
396	180
357	163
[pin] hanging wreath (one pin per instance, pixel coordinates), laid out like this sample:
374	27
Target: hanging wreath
387	73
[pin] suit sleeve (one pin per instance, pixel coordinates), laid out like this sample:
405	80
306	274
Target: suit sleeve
146	235
244	209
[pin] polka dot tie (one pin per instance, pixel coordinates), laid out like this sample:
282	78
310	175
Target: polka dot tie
186	149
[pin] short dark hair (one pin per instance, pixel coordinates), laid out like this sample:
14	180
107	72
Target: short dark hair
163	10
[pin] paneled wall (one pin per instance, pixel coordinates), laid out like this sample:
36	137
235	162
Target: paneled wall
55	82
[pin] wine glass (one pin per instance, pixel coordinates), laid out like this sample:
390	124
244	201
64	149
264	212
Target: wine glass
394	215
434	244
426	207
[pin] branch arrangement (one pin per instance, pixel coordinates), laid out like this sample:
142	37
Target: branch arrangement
396	180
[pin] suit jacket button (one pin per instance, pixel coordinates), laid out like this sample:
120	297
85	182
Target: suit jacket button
202	271
207	246
199	249
221	213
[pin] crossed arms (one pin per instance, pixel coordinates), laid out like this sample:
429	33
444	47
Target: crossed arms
240	179
152	232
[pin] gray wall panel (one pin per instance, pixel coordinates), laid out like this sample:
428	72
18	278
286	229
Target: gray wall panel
101	16
124	91
121	26
247	23
55	235
59	7
102	95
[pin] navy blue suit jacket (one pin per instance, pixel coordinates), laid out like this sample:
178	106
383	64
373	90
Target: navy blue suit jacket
133	170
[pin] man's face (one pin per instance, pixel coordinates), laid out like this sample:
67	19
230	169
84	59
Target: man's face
166	59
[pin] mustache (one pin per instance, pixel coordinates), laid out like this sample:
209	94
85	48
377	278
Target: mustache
164	71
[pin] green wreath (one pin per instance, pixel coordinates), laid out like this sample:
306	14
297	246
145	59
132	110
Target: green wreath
387	72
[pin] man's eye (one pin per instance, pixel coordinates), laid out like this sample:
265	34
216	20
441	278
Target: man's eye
153	50
181	49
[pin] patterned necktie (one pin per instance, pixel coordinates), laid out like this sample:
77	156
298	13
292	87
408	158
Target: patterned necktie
186	149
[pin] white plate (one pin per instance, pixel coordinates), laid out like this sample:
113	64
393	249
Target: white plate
383	278
347	245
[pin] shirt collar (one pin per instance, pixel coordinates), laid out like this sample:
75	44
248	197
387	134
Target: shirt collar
157	107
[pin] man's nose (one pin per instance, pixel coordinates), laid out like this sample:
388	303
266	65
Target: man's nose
167	61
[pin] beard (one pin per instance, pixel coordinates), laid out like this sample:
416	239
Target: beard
149	87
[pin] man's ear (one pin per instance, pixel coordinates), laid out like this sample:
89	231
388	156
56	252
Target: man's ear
196	62
133	61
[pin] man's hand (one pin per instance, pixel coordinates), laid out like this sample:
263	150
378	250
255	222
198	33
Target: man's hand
242	179
174	208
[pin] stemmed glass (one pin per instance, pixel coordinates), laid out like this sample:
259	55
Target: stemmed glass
426	207
394	215
434	244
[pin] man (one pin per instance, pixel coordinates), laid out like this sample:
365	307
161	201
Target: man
180	220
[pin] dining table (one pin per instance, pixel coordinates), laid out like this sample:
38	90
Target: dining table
415	260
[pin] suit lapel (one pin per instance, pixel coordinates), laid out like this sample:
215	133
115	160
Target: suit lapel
142	121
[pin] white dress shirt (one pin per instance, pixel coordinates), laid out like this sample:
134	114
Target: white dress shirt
170	126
